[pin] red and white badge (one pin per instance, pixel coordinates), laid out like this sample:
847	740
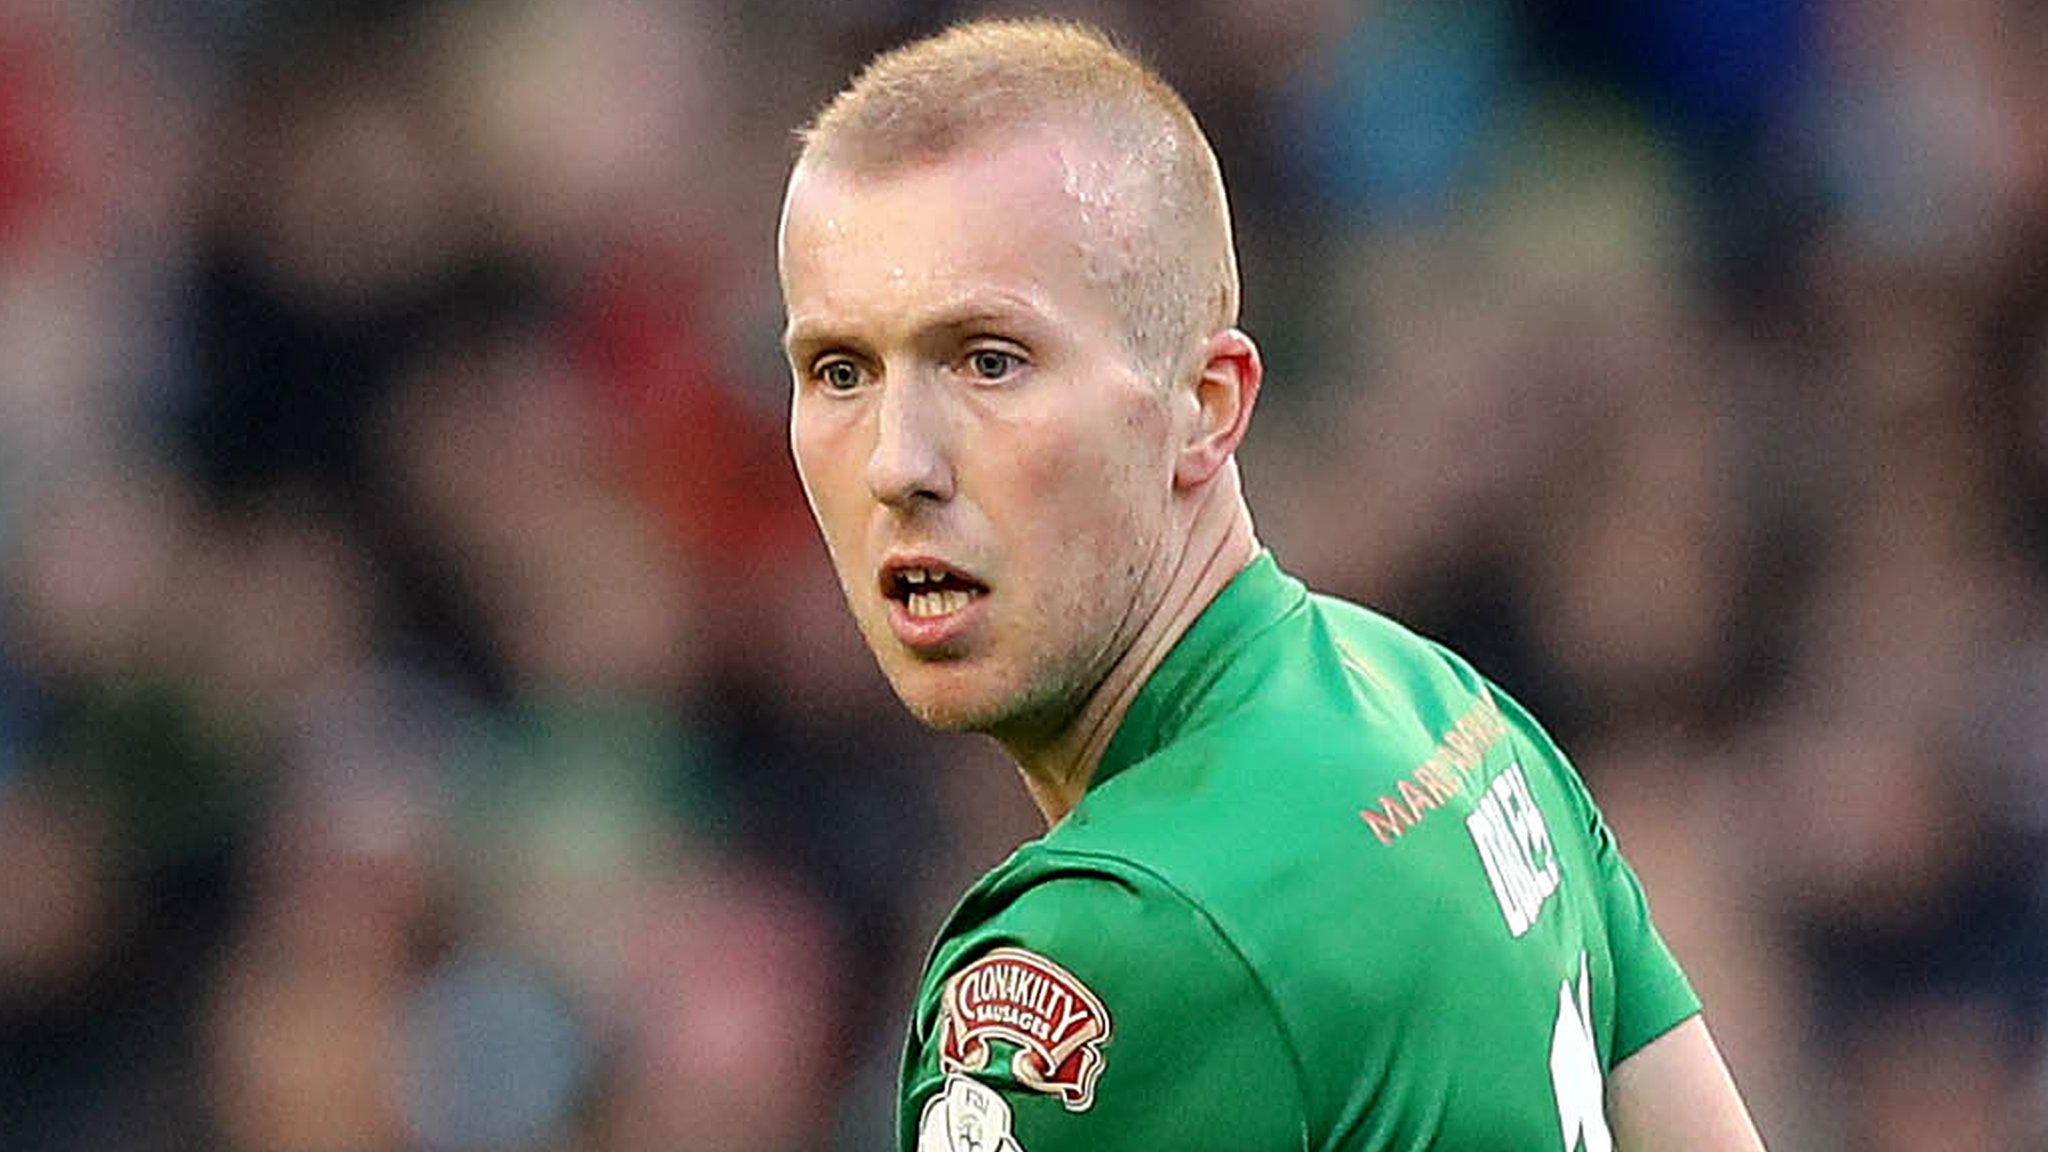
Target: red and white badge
1057	1025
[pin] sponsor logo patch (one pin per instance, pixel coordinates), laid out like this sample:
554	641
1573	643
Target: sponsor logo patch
1057	1025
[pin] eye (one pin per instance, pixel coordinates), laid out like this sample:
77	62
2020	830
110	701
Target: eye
838	375
993	363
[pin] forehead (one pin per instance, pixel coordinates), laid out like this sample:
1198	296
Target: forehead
1027	214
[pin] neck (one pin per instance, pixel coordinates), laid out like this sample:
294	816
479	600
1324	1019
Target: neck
1219	545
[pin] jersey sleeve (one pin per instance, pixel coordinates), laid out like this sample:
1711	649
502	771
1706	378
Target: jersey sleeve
1651	994
1096	1008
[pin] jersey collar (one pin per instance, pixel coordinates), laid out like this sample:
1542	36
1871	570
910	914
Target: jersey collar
1254	600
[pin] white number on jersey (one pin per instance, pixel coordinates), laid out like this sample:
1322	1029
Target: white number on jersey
1575	1068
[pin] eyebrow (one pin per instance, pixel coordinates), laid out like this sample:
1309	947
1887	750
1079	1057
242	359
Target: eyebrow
805	335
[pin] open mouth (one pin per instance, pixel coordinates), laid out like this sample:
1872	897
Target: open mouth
928	590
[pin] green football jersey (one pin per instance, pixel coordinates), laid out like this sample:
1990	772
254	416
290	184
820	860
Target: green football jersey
1328	889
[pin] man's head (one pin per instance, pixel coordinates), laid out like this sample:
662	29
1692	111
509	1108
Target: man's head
1007	262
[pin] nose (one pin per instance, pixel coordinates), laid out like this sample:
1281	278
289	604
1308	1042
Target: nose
911	458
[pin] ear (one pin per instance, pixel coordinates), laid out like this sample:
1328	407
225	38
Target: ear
1226	387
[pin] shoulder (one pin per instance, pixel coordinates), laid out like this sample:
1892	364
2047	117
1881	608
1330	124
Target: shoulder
1332	654
1330	696
1093	999
1105	921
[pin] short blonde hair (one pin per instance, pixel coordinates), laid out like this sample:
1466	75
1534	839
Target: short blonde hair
1168	262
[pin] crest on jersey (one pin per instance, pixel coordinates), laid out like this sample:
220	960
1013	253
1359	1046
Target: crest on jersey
967	1116
1056	1024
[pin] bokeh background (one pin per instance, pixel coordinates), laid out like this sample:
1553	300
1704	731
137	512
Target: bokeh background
427	719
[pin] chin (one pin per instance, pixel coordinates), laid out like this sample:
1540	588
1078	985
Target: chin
945	708
953	699
965	695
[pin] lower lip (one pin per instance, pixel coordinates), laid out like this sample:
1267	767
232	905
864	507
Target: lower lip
932	633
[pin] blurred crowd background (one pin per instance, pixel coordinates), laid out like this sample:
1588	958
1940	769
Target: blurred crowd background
428	721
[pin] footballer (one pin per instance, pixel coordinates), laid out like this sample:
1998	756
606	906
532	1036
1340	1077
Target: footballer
1310	882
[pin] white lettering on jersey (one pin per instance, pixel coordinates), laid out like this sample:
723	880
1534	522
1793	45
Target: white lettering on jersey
968	1116
1514	845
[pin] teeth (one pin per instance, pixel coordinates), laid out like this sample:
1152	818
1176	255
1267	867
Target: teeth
913	577
925	605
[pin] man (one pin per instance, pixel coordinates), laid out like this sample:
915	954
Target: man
1310	882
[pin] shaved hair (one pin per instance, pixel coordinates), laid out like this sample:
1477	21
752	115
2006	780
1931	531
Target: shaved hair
1152	196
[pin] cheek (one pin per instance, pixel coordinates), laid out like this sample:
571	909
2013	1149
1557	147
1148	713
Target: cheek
1097	503
821	452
